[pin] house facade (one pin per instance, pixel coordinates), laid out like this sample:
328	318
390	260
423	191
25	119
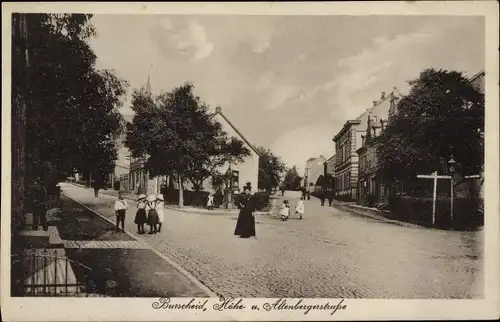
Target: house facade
314	168
371	189
347	141
242	172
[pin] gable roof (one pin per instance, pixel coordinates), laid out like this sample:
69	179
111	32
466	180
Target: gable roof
218	111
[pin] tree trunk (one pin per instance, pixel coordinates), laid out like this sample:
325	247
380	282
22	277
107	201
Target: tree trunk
181	192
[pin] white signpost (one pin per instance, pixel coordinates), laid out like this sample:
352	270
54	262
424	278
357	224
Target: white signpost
435	177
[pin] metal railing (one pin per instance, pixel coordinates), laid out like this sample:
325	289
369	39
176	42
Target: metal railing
40	272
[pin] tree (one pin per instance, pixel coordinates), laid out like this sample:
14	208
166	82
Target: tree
72	107
442	116
292	179
178	136
271	168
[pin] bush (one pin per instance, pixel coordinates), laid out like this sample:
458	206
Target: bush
466	212
370	200
262	200
191	198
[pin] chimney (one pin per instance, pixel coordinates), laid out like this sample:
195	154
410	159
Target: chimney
218	109
382	96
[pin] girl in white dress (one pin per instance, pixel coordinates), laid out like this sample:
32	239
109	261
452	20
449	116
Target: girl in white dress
300	208
285	210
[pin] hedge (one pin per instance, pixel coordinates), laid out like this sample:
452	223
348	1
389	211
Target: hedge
199	198
466	212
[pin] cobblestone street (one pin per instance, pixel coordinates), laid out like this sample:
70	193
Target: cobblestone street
330	253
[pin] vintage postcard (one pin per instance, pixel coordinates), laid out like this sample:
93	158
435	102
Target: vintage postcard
250	161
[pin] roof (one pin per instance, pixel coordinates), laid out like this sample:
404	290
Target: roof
477	75
219	112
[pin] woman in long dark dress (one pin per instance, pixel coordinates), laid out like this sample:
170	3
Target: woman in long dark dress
245	226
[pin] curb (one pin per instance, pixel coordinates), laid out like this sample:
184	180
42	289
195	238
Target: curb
188	275
363	212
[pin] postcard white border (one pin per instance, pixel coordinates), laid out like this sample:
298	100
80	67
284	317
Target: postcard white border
134	309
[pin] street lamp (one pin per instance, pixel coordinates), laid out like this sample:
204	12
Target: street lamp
229	176
451	168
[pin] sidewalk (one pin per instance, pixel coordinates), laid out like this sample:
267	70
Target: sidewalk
121	265
372	213
186	209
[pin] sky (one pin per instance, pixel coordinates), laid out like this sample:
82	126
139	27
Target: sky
288	83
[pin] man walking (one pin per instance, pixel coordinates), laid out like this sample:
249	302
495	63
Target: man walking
322	197
39	200
330	197
120	207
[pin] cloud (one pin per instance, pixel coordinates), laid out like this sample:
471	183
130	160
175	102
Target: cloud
281	94
301	143
191	40
265	80
262	46
360	78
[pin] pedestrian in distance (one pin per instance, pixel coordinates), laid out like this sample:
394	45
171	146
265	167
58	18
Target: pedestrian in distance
300	208
38	197
322	197
245	226
210	201
160	205
153	218
285	210
121	207
330	197
140	216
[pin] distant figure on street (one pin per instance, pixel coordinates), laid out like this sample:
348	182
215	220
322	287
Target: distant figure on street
304	193
300	208
153	218
140	216
160	205
121	207
282	191
330	197
308	195
245	226
210	201
322	197
38	198
285	210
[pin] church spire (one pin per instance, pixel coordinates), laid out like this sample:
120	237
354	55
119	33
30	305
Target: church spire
148	86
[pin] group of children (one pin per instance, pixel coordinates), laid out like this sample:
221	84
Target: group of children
149	211
285	209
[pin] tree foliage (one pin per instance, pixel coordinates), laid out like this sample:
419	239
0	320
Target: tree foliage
442	116
292	179
271	169
178	136
72	107
325	181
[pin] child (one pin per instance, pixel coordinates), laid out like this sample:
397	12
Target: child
120	207
210	201
300	209
159	210
285	210
140	216
152	214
